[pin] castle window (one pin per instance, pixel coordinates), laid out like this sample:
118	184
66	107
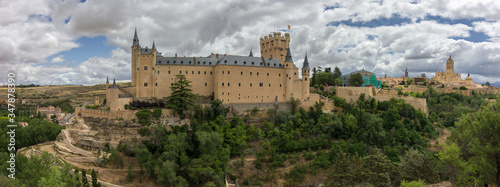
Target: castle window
222	93
225	61
160	62
182	62
269	85
267	64
204	62
261	84
250	73
209	62
223	72
239	84
205	84
250	84
305	78
180	72
244	62
222	84
261	63
198	62
171	84
287	65
156	84
174	61
294	73
279	75
192	72
253	63
210	72
205	72
274	64
158	72
189	62
228	72
227	94
186	72
280	65
257	73
145	84
145	67
168	62
235	62
169	72
286	75
137	68
199	72
280	85
242	73
228	84
267	74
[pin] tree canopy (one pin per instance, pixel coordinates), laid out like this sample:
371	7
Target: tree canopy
182	95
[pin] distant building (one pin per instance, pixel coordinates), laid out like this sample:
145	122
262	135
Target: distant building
369	79
49	111
449	75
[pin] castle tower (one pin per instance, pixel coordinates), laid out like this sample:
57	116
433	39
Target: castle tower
107	91
136	51
450	66
251	54
289	73
306	72
275	46
406	72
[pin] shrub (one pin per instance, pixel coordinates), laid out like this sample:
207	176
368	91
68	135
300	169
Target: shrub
418	183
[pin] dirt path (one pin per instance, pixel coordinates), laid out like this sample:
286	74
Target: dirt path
438	144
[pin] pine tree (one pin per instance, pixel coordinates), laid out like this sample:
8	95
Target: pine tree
182	96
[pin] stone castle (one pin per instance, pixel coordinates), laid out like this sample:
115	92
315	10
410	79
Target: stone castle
233	79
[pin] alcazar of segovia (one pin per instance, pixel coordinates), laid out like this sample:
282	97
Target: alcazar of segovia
229	78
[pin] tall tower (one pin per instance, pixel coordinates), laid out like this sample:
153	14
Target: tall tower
136	50
450	66
107	91
306	72
275	46
289	73
406	72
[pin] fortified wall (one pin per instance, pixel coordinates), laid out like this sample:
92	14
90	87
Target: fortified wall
352	93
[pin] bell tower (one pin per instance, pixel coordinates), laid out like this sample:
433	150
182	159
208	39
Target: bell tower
450	66
306	72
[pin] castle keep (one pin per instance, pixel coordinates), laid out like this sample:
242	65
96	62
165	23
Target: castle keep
229	78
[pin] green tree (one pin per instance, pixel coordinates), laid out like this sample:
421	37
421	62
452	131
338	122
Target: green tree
53	179
356	80
415	166
477	137
409	81
182	97
377	167
337	73
167	173
487	83
94	179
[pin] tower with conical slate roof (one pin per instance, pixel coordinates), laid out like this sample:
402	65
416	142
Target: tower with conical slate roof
306	72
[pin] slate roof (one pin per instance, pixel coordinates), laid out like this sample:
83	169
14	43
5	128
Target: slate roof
211	60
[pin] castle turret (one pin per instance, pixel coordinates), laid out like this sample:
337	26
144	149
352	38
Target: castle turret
135	52
406	72
107	91
289	74
251	54
275	46
306	72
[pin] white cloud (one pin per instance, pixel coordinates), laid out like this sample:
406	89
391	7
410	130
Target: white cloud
59	58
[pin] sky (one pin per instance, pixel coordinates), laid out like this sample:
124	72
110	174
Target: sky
83	42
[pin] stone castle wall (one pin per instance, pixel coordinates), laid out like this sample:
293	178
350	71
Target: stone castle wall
83	112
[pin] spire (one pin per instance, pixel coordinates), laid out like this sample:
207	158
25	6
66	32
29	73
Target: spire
468	74
107	80
154	45
306	63
288	56
406	69
114	83
251	54
136	39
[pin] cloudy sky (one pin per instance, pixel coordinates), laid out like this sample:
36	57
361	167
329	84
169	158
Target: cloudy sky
82	42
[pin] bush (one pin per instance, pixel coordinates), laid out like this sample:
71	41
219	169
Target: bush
418	183
463	88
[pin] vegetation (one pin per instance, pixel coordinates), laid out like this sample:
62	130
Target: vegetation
356	80
326	77
182	97
65	105
136	104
